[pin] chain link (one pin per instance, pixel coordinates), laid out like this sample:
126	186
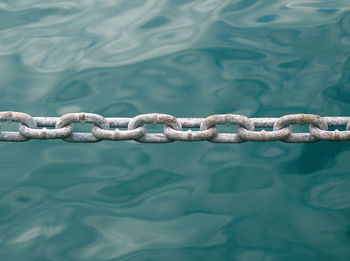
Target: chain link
23	118
199	129
82	117
227	119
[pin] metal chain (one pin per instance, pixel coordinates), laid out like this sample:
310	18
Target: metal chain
207	128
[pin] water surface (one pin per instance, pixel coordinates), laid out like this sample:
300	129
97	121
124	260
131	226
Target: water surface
178	201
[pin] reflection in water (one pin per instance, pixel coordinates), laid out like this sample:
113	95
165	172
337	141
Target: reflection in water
179	201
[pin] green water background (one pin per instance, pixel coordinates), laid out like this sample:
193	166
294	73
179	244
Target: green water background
178	201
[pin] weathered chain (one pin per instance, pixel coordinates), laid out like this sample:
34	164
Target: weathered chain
207	128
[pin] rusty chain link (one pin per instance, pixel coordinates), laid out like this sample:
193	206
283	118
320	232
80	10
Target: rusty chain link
198	129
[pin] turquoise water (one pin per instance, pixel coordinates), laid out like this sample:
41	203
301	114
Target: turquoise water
178	201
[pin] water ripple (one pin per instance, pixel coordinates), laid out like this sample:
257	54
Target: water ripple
177	201
129	234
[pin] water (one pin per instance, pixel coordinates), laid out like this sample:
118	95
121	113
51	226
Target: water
179	201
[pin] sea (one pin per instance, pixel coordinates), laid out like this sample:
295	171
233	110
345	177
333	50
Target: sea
130	201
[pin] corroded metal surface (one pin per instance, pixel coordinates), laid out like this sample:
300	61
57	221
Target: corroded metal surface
202	129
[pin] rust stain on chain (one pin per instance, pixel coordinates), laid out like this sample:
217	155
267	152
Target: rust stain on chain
202	129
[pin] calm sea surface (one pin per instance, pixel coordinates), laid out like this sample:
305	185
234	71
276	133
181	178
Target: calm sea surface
179	201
